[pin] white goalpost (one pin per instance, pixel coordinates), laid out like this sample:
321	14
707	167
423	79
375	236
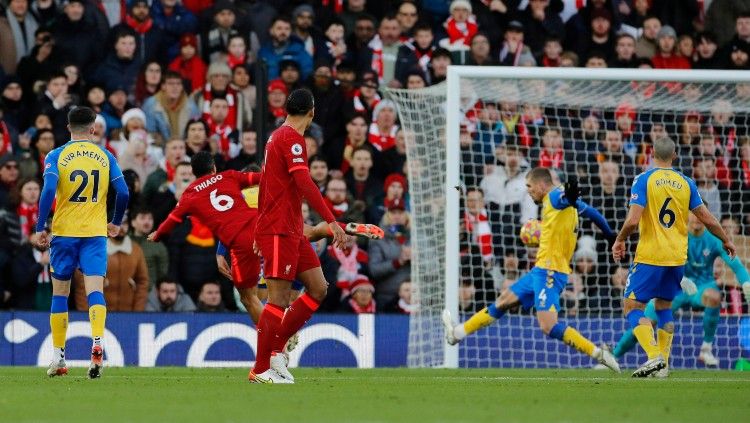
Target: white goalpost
469	139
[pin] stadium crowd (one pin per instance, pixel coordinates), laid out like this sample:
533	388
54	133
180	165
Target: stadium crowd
171	78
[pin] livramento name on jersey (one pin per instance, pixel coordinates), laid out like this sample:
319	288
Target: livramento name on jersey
84	153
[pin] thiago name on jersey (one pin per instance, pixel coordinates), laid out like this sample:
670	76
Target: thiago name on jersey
84	153
208	182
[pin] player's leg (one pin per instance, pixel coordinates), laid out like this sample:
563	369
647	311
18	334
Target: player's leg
249	299
323	230
302	308
521	292
709	299
63	262
628	341
294	293
93	265
668	290
245	272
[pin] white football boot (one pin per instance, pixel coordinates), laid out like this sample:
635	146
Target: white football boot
605	358
279	361
449	325
707	356
651	366
269	376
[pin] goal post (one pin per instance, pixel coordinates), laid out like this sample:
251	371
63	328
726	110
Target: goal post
451	259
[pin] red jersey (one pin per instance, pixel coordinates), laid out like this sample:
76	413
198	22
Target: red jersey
216	200
280	201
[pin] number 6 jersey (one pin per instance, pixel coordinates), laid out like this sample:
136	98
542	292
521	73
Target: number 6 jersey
84	171
667	197
216	200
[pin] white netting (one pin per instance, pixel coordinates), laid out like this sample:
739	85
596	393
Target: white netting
600	131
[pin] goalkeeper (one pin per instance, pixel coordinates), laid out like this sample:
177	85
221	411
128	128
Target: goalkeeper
699	289
541	287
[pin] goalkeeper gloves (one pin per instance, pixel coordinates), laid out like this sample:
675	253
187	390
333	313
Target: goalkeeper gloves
688	286
746	291
572	192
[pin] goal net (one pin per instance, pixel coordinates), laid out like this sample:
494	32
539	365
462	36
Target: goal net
470	142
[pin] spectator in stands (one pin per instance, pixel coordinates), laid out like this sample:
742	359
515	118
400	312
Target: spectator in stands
174	20
583	282
741	36
350	263
415	54
329	101
480	53
666	56
551	155
17	31
407	17
707	148
551	54
168	194
513	51
415	79
319	172
155	253
169	110
505	185
383	129
704	173
477	223
394	160
289	74
55	102
148	81
115	107
248	151
541	21
360	300
404	304
358	43
168	296
363	185
188	64
241	84
722	125
438	68
383	49
739	57
120	68
219	75
215	40
568	59
596	59
277	93
134	120
332	49
150	39
707	55
282	46
460	27
366	97
41	144
209	299
220	132
686	46
174	153
646	46
356	136
395	186
15	111
625	56
135	155
126	286
608	194
341	203
390	257
350	13
77	36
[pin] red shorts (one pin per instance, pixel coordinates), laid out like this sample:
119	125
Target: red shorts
245	263
284	257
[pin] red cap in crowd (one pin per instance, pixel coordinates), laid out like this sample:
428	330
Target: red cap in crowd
188	39
395	177
395	204
694	114
362	282
277	84
625	109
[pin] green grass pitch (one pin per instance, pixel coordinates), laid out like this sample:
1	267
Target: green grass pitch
383	395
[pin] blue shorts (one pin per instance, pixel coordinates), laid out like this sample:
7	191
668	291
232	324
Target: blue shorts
540	288
70	253
646	282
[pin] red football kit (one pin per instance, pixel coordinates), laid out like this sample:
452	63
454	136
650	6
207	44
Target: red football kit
217	201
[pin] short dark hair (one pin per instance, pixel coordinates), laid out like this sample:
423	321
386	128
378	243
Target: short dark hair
170	74
164	279
363	148
81	118
540	174
56	74
317	158
283	18
252	167
475	188
299	102
203	163
422	26
199	121
122	33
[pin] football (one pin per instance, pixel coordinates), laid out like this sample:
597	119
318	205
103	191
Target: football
531	233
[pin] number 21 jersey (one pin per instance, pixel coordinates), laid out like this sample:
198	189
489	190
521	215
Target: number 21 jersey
667	197
84	171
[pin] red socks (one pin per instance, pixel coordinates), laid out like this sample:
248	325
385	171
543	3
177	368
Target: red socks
268	326
296	315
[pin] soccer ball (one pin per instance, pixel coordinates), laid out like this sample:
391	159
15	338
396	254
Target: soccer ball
531	233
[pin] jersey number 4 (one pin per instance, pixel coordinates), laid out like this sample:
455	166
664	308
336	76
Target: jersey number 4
76	197
221	202
666	216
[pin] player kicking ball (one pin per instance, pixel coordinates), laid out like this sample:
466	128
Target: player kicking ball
541	287
287	254
660	201
78	175
699	291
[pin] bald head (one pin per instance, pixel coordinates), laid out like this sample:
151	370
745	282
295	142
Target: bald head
664	149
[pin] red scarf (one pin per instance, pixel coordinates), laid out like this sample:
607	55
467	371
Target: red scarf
376	64
423	57
28	215
549	63
233	61
350	262
139	27
337	59
551	160
360	106
462	32
193	70
746	173
481	234
223	132
231	96
348	149
170	171
277	112
338	5
6	145
382	142
369	308
338	210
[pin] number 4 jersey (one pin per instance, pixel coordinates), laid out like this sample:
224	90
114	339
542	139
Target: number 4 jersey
216	200
84	171
667	197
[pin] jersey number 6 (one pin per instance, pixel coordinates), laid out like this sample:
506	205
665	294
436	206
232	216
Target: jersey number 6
666	216
76	197
221	202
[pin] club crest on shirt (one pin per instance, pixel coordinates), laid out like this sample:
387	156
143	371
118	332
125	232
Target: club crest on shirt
287	269
47	166
296	149
706	252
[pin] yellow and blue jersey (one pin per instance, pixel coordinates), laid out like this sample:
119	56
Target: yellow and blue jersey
559	233
667	197
84	172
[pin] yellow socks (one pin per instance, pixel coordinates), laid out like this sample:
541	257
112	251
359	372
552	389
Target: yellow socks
58	323
665	343
97	316
479	320
645	336
573	338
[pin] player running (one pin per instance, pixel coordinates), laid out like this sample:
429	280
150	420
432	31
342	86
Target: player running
287	254
666	196
699	290
541	287
78	174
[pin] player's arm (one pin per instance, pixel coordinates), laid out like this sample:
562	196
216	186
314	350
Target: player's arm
740	271
46	199
117	181
250	179
713	226
314	198
221	261
595	216
173	219
638	201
